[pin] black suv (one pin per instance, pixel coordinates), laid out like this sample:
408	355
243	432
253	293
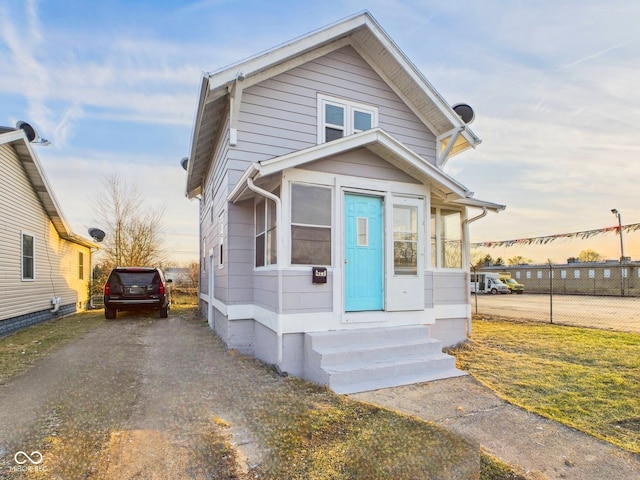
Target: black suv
131	288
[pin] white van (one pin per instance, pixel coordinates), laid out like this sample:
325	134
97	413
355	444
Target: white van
488	283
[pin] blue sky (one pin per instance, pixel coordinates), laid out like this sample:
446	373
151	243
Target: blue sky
114	84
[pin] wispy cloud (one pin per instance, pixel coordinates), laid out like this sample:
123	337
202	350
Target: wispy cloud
593	55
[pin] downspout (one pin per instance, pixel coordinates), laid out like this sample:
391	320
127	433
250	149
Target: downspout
278	203
465	228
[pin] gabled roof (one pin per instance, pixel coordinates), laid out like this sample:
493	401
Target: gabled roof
27	156
382	144
364	34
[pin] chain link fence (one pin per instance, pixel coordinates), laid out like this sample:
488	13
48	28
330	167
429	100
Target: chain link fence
600	294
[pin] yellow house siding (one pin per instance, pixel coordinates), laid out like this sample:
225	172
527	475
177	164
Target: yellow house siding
55	259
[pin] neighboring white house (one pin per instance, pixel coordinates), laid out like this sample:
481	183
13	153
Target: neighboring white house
333	245
45	269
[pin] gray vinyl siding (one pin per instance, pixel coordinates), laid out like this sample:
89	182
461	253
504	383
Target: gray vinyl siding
361	163
279	115
215	196
56	259
240	254
265	289
300	295
450	288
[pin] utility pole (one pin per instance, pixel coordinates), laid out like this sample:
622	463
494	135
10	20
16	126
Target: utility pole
617	214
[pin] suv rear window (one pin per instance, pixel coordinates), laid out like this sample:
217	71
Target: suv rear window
136	278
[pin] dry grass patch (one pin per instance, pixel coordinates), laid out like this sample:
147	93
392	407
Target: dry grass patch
21	349
585	378
312	433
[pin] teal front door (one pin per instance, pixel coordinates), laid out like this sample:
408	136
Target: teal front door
363	268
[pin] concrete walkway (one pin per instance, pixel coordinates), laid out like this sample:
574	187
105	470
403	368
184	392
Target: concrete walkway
540	448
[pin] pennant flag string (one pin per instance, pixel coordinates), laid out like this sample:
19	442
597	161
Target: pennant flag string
632	227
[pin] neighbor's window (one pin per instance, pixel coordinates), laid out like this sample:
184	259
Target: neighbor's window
28	257
310	225
220	239
80	266
338	118
266	232
446	238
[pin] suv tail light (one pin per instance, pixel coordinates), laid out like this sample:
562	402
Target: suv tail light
107	288
161	289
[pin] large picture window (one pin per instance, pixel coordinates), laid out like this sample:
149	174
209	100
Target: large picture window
338	118
446	238
266	232
28	257
310	225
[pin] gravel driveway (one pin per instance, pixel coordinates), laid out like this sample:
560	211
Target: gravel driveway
139	397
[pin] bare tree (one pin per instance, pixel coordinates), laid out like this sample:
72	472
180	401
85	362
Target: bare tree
134	230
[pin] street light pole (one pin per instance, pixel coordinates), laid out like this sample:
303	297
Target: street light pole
617	214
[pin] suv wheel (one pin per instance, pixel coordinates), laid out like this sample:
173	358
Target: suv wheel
110	313
164	312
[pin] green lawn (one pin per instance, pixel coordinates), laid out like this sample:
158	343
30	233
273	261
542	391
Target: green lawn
586	378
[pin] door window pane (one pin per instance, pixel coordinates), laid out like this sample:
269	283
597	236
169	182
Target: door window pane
363	231
405	240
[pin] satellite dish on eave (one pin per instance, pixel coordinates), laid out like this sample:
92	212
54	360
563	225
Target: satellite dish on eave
184	162
465	112
97	234
31	133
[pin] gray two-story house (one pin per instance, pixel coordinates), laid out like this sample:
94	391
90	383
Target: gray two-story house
333	244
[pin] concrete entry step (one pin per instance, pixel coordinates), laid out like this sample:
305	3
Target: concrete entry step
351	361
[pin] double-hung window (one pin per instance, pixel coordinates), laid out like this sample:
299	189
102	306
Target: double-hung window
28	257
446	238
310	225
338	118
80	266
266	232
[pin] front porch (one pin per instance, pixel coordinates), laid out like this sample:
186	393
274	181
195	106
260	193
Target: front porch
350	361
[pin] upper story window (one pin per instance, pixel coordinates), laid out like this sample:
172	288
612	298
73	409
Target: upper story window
338	118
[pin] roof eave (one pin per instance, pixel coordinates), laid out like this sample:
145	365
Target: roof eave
41	186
